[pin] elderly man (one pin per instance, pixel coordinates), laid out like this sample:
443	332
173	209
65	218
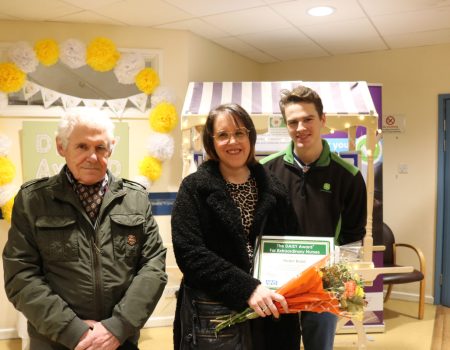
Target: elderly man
84	261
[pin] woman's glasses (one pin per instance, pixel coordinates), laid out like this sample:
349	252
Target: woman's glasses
224	137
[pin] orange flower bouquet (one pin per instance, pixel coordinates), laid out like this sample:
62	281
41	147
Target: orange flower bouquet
319	288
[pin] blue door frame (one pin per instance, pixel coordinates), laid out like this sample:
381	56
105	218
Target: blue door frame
442	268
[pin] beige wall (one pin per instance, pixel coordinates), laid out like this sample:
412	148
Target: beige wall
412	80
185	57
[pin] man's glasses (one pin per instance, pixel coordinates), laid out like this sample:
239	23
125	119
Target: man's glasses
224	137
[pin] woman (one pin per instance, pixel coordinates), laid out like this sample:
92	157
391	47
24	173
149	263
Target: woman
217	217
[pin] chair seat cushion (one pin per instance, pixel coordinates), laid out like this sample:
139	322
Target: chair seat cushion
404	277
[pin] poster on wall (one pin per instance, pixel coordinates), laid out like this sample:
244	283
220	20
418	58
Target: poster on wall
41	159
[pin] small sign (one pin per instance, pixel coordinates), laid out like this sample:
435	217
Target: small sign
162	202
280	258
393	123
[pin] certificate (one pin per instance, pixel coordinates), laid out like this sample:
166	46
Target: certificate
280	258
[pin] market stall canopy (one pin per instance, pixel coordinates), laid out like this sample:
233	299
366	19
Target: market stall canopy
345	100
347	104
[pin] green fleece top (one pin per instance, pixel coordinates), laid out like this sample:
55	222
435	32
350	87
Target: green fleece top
329	200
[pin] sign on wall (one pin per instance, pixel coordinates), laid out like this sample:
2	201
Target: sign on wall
40	157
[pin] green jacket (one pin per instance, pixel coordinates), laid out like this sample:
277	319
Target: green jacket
60	270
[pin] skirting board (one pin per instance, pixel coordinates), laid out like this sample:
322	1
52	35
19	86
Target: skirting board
8	333
410	297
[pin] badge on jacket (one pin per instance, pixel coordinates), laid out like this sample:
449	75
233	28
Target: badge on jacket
131	240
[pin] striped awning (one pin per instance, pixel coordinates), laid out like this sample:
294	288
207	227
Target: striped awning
261	98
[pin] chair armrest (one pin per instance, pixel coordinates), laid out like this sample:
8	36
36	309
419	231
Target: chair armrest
418	252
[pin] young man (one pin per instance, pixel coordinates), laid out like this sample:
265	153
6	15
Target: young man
84	261
328	194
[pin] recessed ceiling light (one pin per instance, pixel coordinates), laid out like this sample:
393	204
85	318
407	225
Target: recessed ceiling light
320	11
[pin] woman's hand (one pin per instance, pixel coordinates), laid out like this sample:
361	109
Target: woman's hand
262	302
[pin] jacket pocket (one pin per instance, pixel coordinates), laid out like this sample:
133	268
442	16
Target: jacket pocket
57	238
127	231
198	330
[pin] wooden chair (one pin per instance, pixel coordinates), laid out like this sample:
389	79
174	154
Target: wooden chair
398	278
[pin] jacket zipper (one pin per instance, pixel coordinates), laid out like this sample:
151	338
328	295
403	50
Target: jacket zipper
96	251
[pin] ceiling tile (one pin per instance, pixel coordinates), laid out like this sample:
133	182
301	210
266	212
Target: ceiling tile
296	11
36	10
248	21
276	38
411	22
356	35
198	27
383	7
90	4
234	44
418	39
298	52
87	17
259	56
143	12
212	7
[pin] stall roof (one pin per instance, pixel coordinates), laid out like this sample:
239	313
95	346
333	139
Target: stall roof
261	98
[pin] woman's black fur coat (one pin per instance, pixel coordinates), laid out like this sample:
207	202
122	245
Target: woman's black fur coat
208	237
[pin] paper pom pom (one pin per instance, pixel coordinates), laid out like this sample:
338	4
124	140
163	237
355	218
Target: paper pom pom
147	80
5	145
7	171
160	146
150	167
144	181
47	51
23	55
102	55
128	67
163	117
73	53
7	210
11	77
7	192
162	94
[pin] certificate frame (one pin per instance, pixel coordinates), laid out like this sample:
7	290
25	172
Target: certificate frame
280	258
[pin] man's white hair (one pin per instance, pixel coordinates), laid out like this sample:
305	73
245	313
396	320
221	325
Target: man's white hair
90	117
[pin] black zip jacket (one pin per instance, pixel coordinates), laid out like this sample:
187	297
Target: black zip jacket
329	200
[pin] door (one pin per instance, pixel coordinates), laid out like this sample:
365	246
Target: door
442	277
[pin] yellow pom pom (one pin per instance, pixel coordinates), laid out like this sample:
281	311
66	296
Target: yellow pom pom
47	51
102	55
7	171
147	80
150	167
11	78
7	209
163	118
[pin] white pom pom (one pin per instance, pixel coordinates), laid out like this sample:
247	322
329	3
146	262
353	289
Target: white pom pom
144	181
7	192
162	94
160	146
128	66
73	53
23	55
5	145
